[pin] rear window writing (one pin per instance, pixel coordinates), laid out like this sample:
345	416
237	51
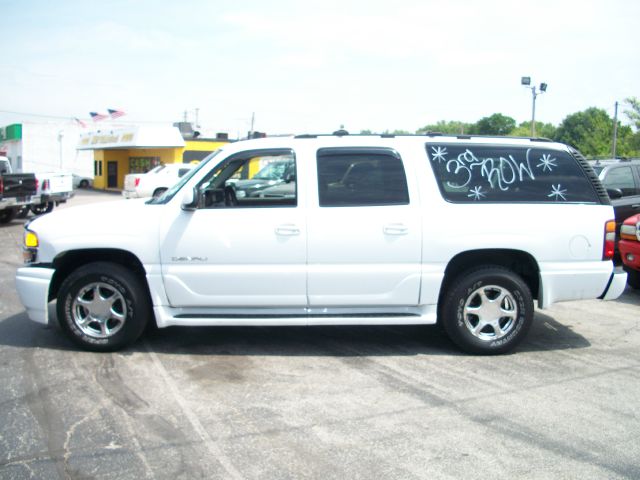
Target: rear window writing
485	173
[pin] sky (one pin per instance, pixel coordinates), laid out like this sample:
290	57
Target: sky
310	67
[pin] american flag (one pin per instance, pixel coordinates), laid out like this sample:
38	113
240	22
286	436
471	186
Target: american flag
97	116
115	113
80	122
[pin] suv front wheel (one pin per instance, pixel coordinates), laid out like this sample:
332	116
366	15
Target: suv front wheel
103	306
487	311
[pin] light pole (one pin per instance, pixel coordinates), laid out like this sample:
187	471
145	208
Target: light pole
526	81
60	137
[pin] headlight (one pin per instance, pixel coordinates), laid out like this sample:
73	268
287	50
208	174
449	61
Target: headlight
30	246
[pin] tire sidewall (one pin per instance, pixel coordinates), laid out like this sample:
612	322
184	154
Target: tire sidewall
454	319
122	281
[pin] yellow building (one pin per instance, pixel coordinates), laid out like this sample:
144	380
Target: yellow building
120	151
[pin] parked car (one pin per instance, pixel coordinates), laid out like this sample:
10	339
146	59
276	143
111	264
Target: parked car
16	191
81	181
629	246
460	230
277	170
621	179
156	181
53	188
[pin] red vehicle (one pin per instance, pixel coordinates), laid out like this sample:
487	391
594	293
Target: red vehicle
629	246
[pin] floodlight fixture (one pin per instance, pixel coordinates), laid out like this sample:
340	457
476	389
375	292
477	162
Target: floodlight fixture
525	80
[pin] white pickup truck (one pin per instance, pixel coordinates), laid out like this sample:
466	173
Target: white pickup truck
156	181
465	231
53	188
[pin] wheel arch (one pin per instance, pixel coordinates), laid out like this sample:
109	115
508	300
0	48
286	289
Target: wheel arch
67	262
518	261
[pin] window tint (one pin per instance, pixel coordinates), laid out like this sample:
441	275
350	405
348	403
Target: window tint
484	173
242	181
360	177
621	178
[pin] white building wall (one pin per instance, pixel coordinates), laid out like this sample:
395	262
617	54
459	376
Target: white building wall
52	147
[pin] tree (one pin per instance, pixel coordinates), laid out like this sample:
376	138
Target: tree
452	127
633	113
591	132
545	130
496	124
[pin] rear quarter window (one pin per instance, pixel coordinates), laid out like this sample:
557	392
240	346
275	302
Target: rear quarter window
485	173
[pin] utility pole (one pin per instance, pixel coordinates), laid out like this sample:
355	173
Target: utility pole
197	114
615	131
253	118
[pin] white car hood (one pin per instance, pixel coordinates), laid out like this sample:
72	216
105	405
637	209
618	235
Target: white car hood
125	224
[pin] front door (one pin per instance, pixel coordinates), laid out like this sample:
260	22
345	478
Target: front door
240	247
112	174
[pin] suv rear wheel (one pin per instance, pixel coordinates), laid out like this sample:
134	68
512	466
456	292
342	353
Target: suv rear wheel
487	311
103	306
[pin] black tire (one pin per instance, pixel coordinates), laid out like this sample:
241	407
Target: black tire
23	212
633	278
42	208
116	320
159	192
8	214
84	184
475	292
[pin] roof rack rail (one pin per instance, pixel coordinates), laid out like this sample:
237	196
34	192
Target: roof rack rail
344	133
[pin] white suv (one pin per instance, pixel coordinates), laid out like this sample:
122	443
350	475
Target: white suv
465	231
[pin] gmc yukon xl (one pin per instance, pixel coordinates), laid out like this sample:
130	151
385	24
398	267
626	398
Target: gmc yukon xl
465	231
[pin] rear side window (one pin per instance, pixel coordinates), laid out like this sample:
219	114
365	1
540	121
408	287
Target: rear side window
352	177
486	173
621	178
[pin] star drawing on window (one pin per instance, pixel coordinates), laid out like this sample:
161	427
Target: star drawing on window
557	192
439	154
546	162
476	193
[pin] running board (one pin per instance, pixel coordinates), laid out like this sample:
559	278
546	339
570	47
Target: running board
165	317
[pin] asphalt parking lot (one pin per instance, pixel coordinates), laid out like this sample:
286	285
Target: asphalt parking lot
325	403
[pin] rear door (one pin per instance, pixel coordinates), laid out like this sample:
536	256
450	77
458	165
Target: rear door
364	232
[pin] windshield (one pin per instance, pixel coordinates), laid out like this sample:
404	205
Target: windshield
156	169
273	171
169	194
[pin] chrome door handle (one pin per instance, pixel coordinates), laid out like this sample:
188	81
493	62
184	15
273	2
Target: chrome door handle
287	230
395	229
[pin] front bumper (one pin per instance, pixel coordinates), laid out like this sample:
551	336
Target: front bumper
630	253
32	284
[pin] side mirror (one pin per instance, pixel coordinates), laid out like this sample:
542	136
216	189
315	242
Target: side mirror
290	178
614	193
190	199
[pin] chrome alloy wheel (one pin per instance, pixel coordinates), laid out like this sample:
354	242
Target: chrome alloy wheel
490	312
99	310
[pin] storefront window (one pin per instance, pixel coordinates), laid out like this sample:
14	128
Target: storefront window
142	164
